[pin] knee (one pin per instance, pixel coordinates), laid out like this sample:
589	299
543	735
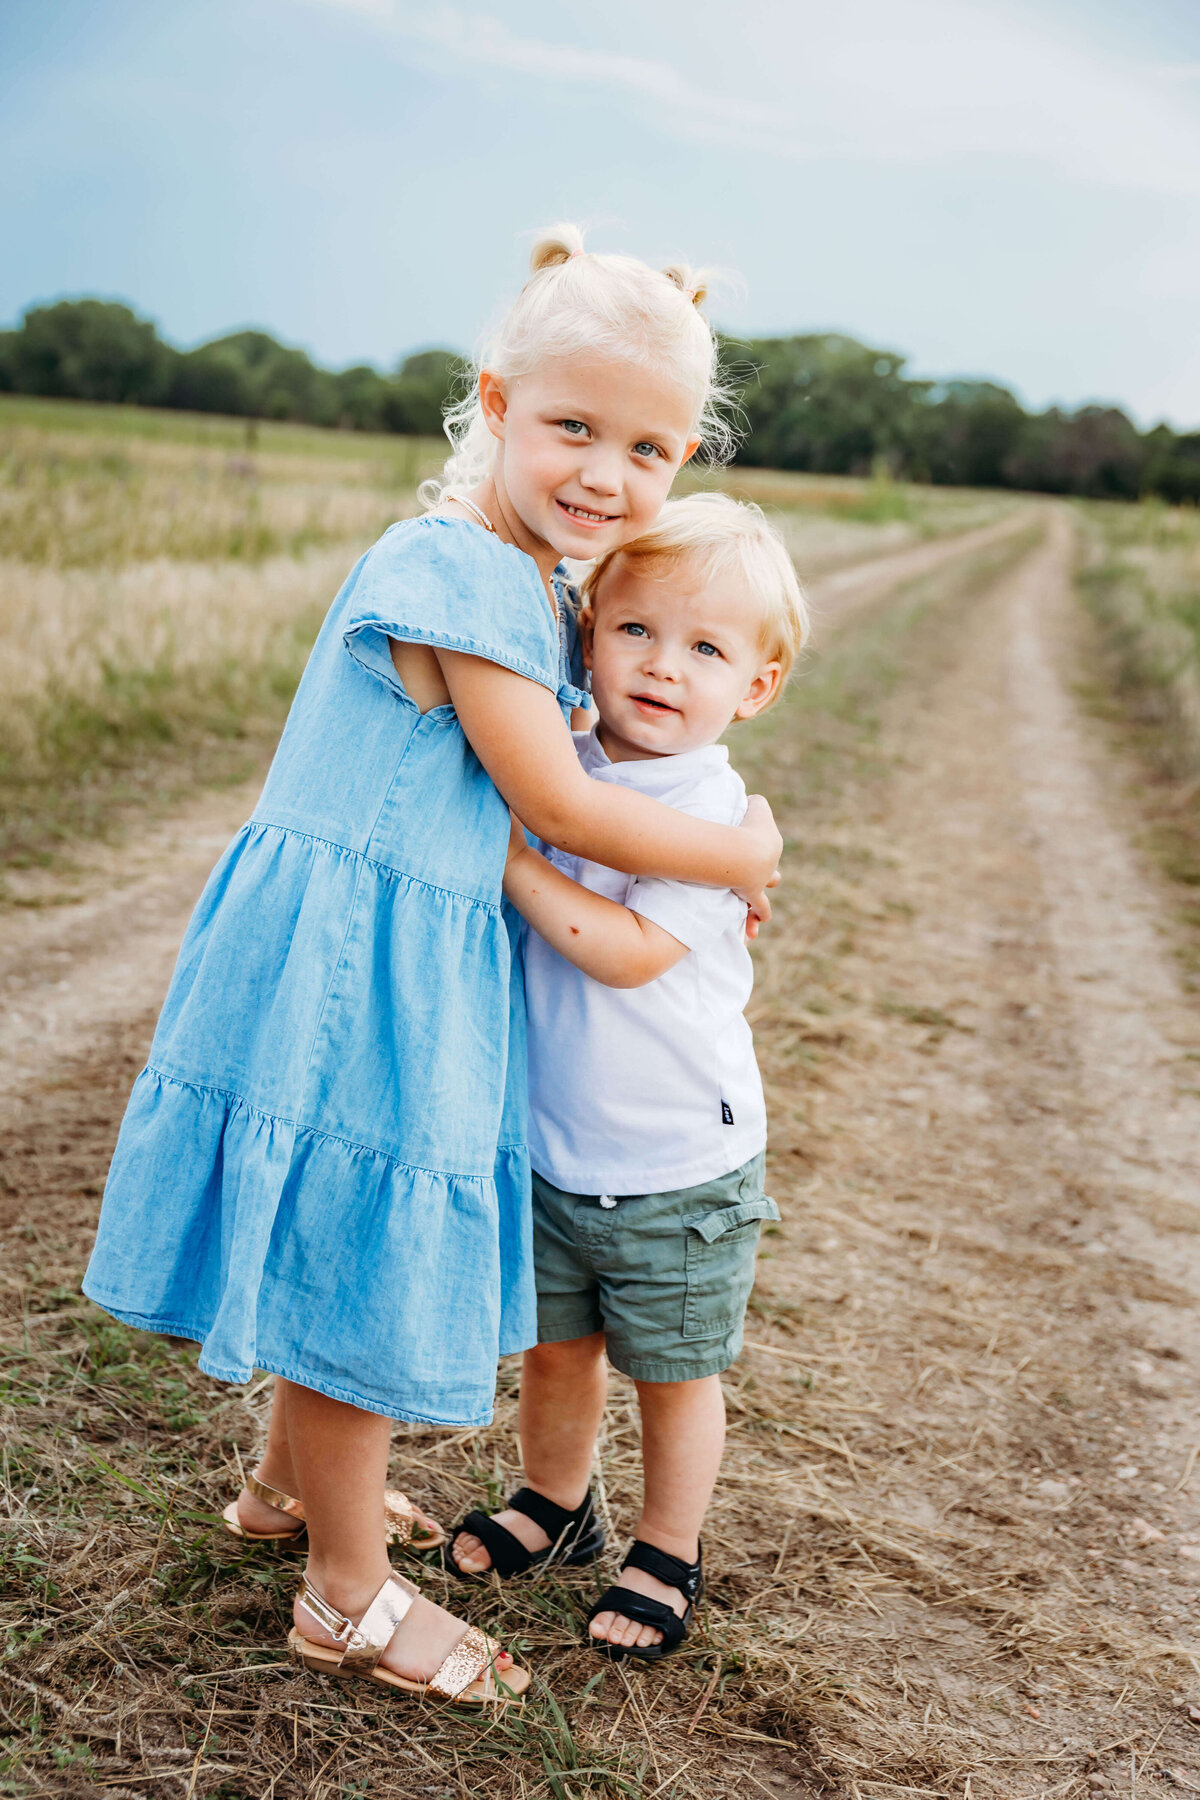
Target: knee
573	1354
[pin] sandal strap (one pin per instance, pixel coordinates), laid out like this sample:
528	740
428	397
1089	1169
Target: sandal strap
554	1520
509	1555
644	1611
274	1496
362	1644
471	1657
400	1517
687	1578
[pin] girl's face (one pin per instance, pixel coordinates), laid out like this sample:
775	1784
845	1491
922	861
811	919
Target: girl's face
587	450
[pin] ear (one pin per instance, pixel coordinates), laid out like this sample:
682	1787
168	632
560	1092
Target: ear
493	398
587	634
693	444
762	690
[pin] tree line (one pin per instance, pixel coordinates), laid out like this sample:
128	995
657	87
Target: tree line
823	403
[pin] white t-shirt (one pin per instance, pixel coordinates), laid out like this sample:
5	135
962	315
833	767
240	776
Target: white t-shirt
644	1090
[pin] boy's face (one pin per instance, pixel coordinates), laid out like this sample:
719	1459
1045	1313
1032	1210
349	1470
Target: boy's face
674	657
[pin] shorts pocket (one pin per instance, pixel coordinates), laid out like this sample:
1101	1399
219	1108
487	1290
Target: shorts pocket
721	1247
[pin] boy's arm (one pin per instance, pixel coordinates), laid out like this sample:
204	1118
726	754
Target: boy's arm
601	937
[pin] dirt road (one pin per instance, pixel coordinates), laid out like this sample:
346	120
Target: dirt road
957	1550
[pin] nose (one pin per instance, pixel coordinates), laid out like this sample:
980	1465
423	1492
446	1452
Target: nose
602	471
660	662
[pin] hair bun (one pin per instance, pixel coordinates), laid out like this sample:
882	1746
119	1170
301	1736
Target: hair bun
556	245
692	282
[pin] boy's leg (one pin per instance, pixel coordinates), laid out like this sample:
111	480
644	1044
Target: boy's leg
683	1435
563	1390
340	1456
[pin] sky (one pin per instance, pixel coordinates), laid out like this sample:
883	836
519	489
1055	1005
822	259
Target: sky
994	188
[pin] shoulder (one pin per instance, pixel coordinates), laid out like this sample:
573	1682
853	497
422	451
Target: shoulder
453	553
712	791
447	582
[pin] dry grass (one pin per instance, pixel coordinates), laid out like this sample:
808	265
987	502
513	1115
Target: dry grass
893	1608
162	577
1141	578
160	584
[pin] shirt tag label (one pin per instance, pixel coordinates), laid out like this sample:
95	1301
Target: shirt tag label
726	1113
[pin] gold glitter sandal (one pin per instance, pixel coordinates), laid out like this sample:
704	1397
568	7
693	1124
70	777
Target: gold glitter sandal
404	1526
468	1675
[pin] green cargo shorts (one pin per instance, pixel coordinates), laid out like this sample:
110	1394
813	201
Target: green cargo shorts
666	1277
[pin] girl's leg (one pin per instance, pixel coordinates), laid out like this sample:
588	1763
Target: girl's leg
563	1389
683	1435
340	1456
275	1468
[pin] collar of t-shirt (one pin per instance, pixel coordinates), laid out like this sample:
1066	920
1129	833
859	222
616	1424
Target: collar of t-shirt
653	775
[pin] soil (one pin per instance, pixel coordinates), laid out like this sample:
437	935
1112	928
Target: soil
957	1549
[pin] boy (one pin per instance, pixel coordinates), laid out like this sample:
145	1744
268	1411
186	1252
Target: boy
647	1125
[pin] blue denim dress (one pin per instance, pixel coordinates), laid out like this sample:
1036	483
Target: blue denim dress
322	1169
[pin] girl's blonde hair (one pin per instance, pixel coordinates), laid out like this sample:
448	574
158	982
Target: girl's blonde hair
575	303
717	535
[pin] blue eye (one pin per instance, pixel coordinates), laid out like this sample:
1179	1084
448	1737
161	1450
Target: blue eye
646	450
635	630
574	426
707	649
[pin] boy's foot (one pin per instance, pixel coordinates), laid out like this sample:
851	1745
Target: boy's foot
420	1644
615	1628
473	1558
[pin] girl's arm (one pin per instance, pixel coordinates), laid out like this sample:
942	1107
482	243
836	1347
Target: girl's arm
516	730
603	938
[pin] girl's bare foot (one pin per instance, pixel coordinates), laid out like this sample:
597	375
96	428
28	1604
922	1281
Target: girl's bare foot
419	1646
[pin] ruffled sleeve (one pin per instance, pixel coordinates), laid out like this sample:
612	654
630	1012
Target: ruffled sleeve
449	583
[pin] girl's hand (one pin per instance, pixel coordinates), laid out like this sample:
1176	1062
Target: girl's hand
760	823
759	911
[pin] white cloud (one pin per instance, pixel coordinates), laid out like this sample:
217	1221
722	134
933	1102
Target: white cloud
869	80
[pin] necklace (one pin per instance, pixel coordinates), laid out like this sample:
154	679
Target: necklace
461	500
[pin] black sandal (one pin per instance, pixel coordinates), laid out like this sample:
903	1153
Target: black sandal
688	1578
575	1537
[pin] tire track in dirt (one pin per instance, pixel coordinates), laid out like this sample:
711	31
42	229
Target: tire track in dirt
1135	1036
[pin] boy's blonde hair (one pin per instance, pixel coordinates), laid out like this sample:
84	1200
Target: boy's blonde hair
579	303
718	534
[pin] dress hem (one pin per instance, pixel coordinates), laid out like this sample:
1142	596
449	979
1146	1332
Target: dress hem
238	1378
333	1137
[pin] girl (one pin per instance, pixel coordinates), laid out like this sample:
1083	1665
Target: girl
322	1170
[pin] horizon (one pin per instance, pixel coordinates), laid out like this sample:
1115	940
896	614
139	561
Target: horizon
1008	194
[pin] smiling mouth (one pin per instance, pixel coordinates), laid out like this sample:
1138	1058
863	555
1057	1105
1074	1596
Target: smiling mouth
582	515
650	705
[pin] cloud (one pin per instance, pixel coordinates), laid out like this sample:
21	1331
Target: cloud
867	81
